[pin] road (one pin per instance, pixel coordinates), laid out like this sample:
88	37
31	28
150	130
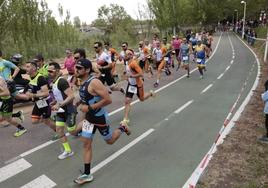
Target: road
170	134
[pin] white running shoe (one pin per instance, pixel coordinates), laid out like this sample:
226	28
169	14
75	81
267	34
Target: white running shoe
65	154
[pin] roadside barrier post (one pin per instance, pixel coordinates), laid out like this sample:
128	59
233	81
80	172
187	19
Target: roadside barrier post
266	48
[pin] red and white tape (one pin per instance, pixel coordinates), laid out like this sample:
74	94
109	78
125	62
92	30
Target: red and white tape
226	127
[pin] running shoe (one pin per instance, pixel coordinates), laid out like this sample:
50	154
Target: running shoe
84	178
125	128
20	132
65	154
156	84
153	94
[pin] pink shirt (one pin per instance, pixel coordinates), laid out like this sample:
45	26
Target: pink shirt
69	64
176	44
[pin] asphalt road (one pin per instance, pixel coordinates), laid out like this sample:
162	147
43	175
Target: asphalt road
170	133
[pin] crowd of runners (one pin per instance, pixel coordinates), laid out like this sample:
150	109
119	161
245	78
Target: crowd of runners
53	93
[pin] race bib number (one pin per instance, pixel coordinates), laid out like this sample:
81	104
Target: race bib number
166	58
132	89
87	127
1	102
198	60
41	103
185	58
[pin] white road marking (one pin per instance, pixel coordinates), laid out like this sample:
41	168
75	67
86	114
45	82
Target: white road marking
231	62
183	107
221	75
40	182
227	68
207	88
121	151
13	169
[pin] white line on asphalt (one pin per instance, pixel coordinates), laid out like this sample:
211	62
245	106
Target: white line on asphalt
221	75
40	182
183	107
122	108
233	56
207	88
122	150
196	174
232	62
13	169
227	68
36	148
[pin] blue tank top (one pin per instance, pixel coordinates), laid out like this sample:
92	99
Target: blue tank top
92	116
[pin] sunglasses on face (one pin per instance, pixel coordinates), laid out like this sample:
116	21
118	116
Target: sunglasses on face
124	46
50	71
79	68
96	47
76	58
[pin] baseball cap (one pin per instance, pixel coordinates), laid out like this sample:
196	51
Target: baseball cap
84	63
39	57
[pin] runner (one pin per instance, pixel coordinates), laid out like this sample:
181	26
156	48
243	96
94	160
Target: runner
113	55
200	58
176	43
94	97
69	64
104	65
168	57
158	56
123	52
144	52
6	108
42	65
38	91
185	56
63	106
133	75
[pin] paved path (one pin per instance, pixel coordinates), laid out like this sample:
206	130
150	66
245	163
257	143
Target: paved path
170	134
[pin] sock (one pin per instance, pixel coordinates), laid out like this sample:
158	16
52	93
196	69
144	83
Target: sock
87	168
157	81
16	114
20	127
66	146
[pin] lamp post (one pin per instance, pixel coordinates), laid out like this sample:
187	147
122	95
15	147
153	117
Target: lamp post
244	18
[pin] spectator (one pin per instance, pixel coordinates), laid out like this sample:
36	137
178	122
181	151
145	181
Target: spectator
253	37
264	96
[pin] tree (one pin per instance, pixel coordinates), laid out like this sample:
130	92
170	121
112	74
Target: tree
77	22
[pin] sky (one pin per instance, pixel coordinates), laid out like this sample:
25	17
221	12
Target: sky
87	10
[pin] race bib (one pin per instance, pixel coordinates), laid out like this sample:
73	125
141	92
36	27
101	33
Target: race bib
166	58
185	58
1	102
198	60
41	103
87	127
132	89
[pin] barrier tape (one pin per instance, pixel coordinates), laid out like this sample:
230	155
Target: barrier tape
192	181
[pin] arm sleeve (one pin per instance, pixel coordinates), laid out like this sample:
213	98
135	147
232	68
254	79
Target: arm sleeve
42	81
63	85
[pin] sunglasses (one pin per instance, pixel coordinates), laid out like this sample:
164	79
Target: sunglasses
96	47
79	68
124	46
50	71
76	58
